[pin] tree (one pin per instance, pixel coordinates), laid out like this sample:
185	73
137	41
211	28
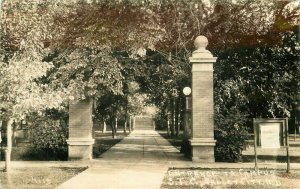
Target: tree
150	42
239	32
111	107
22	54
20	94
256	76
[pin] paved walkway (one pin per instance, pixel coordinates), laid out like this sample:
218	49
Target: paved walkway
138	161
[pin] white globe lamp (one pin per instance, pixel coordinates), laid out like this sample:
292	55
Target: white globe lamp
187	91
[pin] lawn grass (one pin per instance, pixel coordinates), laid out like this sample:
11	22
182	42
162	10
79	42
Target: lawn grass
230	178
199	178
176	141
37	177
179	142
104	141
51	177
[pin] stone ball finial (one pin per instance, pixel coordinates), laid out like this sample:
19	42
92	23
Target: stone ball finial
201	42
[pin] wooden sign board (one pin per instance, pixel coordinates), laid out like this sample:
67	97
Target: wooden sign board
271	133
270	136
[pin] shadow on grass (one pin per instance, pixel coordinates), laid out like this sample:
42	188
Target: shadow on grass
104	141
178	142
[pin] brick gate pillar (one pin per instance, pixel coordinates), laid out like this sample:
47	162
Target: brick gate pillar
202	141
80	140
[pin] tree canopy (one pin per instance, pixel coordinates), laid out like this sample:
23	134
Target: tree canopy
72	50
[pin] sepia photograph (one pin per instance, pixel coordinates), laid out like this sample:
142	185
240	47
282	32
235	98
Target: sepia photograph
149	94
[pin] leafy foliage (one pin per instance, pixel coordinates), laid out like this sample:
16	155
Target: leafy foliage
102	24
49	136
20	94
84	73
230	133
97	48
252	80
111	106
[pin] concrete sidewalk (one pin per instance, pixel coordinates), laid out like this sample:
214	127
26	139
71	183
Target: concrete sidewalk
138	161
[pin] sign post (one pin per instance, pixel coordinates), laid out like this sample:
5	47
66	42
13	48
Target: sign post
271	133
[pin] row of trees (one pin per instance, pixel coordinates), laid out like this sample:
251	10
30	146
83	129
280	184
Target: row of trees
56	51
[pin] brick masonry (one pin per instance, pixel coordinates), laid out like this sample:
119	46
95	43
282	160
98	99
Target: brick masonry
202	108
202	141
80	130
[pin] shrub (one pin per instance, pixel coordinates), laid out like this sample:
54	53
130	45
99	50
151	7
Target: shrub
186	148
230	133
160	122
49	138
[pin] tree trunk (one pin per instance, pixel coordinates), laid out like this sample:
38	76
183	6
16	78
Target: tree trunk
125	127
104	127
116	127
168	127
133	125
9	145
112	126
177	118
173	119
130	124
